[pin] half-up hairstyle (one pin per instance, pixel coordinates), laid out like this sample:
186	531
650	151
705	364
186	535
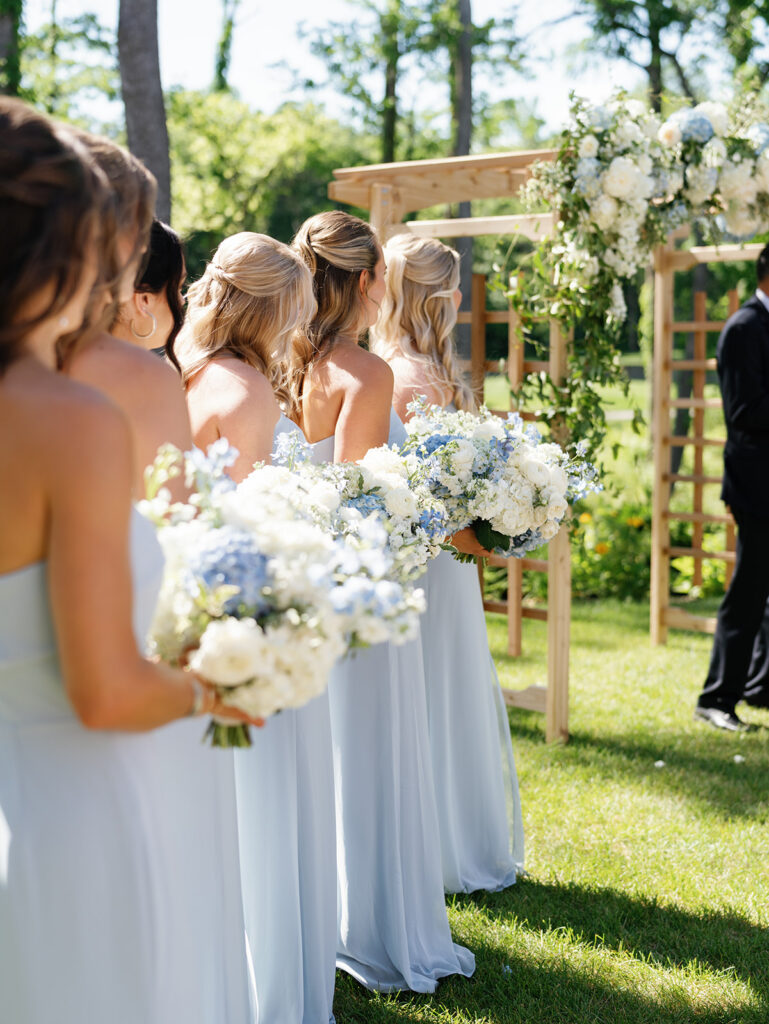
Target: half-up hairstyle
52	209
336	247
418	312
133	190
254	295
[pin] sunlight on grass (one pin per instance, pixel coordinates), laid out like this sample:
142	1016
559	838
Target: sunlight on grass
646	895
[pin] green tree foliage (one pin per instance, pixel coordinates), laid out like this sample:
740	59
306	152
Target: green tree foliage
10	50
366	57
235	169
68	62
649	35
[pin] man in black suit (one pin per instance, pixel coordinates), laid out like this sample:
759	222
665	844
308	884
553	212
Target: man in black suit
743	372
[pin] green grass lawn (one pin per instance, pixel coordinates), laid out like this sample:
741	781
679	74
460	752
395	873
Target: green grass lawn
647	895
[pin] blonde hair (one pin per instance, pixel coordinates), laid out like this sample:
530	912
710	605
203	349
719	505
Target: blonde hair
336	247
251	299
418	312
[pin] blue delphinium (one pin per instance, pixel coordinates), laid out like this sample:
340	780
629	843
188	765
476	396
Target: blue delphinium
291	450
230	557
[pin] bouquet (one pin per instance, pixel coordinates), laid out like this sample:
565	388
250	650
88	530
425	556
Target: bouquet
383	486
494	475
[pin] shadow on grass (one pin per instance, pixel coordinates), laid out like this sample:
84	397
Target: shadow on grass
699	767
508	989
658	934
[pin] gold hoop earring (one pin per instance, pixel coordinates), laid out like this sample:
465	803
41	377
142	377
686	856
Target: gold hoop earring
143	337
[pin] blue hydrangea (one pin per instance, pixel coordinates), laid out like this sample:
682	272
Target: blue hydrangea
230	557
694	127
367	504
433	521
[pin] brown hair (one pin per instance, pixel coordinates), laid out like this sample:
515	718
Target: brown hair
418	311
254	295
336	247
52	202
133	190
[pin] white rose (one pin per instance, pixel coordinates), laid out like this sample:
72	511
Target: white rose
604	211
588	147
325	495
670	133
716	113
536	472
488	429
231	652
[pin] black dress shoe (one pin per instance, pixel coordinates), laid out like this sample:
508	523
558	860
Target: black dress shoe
720	719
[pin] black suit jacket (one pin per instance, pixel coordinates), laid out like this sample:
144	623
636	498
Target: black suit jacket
743	372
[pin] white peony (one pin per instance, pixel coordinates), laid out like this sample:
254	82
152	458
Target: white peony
536	472
231	652
670	133
716	113
588	146
488	429
621	179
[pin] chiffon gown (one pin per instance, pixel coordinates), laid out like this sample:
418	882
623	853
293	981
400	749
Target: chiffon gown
393	931
285	796
479	809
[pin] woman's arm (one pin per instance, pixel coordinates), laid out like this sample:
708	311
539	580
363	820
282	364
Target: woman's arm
110	685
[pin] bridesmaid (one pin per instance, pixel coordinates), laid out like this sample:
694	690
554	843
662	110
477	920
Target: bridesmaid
81	879
202	947
235	357
153	316
475	778
393	932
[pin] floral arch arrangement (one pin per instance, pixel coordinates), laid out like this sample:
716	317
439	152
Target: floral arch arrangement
623	180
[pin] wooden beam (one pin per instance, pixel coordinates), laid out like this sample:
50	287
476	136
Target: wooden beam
478	334
533	698
661	382
677	618
532	226
436	167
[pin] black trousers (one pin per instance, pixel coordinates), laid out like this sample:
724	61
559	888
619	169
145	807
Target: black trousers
757	686
739	617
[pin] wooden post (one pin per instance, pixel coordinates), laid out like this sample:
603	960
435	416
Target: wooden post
478	335
514	567
661	382
558	592
386	210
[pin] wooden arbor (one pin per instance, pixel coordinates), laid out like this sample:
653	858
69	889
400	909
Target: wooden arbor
667	262
389	192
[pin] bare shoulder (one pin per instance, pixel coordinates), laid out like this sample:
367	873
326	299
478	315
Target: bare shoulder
362	366
124	370
234	375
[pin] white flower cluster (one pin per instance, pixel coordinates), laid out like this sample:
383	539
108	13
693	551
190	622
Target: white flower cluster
260	592
623	181
494	475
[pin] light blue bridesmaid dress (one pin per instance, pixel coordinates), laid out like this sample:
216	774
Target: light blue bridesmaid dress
81	889
393	929
119	900
479	808
285	796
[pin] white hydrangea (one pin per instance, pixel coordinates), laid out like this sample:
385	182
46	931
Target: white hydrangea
736	181
716	113
621	179
762	171
714	152
739	220
604	211
700	183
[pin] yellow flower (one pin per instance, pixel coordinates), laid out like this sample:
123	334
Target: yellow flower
635	521
585	518
601	549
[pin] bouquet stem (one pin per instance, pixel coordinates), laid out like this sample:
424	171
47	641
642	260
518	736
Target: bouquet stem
222	734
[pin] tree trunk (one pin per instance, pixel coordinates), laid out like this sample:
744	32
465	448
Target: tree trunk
10	27
654	69
390	24
462	124
143	94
